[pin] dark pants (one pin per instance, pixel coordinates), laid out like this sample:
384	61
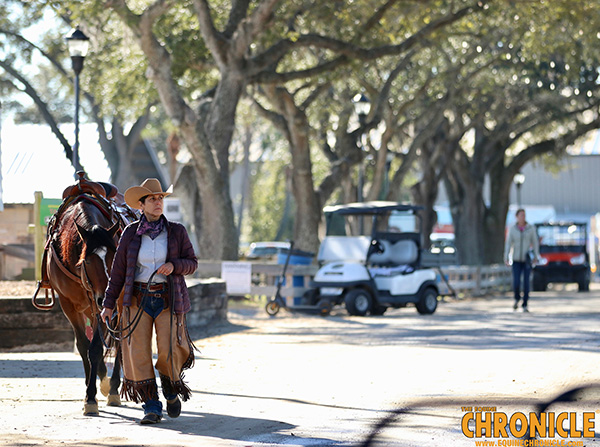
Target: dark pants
521	269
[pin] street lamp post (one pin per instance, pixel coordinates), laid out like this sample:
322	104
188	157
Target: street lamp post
386	181
78	44
518	180
362	107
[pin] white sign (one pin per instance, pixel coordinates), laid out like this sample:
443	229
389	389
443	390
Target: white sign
237	276
172	209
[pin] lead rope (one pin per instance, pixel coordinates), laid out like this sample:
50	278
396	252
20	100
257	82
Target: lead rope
172	312
118	333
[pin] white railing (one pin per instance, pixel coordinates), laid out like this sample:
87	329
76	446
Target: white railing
465	280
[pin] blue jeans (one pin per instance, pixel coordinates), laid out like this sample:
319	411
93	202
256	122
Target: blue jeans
521	269
154	305
153	406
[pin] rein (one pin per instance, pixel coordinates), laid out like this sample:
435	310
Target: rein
116	333
63	268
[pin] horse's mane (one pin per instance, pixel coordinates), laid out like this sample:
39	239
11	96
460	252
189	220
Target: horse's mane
72	245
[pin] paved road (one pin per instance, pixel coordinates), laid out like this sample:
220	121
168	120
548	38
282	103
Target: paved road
299	380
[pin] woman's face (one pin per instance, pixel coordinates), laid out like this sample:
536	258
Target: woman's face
152	207
521	217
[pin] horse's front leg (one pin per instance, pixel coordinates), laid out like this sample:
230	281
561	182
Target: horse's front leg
94	356
113	399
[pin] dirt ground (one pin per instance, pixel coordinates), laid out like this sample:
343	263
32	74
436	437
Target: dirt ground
17	288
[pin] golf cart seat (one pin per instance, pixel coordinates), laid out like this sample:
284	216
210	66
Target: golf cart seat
395	258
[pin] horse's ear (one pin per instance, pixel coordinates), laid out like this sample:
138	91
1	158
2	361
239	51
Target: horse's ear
113	230
82	232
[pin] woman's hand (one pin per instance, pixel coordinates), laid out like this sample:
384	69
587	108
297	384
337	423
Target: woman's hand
106	314
166	269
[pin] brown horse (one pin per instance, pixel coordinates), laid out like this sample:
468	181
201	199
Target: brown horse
81	247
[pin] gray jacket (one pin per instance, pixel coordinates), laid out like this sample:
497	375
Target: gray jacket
521	242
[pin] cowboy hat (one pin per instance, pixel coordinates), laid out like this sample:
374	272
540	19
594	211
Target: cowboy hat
150	186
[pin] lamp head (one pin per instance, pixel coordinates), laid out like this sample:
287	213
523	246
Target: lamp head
78	43
362	105
519	179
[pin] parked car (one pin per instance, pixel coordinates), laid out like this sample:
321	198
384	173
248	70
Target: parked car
266	250
564	255
442	251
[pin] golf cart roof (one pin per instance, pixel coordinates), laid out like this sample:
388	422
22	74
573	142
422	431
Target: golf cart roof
375	207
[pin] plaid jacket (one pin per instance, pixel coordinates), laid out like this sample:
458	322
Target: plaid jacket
179	252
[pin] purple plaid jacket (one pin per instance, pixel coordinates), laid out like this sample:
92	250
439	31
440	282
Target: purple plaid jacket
179	252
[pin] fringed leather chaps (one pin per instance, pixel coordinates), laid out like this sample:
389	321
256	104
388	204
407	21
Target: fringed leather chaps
175	355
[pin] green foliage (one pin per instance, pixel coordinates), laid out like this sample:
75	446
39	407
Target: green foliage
524	66
268	201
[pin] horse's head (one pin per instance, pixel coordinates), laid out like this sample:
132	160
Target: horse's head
96	259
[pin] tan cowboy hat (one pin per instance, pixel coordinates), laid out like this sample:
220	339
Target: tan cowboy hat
150	186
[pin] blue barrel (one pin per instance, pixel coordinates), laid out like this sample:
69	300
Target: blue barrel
297	257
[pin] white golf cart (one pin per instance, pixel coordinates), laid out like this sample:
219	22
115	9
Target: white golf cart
370	260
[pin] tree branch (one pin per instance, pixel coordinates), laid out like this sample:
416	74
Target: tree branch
314	95
43	108
259	18
272	77
155	10
215	42
276	118
550	145
275	53
239	11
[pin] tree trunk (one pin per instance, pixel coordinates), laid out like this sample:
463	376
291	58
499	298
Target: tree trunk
468	209
186	189
495	219
286	216
122	174
207	135
245	179
425	193
217	238
308	206
308	209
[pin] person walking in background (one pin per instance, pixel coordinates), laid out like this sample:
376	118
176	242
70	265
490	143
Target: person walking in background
152	257
521	238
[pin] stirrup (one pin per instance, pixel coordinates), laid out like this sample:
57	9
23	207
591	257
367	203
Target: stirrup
49	301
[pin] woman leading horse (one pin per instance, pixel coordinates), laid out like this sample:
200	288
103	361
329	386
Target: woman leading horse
153	256
79	253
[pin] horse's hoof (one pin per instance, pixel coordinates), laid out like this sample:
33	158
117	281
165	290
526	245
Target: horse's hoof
105	386
113	400
90	409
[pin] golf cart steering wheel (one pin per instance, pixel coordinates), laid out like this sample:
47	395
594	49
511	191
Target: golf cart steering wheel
376	247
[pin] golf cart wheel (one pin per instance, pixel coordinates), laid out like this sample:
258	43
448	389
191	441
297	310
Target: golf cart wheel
324	307
358	302
377	309
428	301
272	308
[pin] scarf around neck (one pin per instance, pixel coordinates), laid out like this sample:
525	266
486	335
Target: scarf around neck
151	229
